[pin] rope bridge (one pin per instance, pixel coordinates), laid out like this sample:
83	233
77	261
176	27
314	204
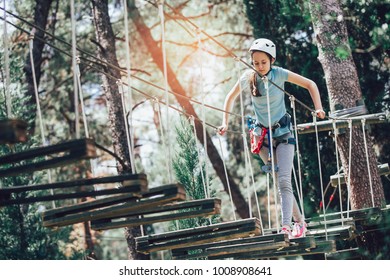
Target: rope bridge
133	203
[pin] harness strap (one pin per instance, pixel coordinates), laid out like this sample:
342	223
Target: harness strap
283	122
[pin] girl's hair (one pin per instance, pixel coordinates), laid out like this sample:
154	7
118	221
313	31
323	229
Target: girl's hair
253	84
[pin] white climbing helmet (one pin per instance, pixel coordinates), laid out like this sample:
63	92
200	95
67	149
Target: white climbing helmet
264	45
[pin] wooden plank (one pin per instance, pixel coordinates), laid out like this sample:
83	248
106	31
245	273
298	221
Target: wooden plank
13	131
46	150
383	169
199	235
347	254
204	207
81	212
330	223
334	233
321	247
76	150
306	243
360	214
126	180
62	196
180	252
246	248
266	243
328	125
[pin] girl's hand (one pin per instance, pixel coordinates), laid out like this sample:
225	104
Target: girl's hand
222	129
320	113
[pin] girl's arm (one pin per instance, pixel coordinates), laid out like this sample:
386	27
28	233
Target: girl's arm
311	87
227	107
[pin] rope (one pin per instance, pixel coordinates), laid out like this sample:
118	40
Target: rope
167	130
130	133
74	66
338	171
81	96
6	65
268	201
320	172
161	102
234	55
42	130
127	124
368	160
270	148
192	121
102	63
203	112
300	187
247	154
247	177
227	178
155	103
84	115
246	151
349	164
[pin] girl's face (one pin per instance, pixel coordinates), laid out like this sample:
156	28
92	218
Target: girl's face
262	62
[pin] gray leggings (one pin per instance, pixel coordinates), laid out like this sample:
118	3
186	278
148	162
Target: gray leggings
284	155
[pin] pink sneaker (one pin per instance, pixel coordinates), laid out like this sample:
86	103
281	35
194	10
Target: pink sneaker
299	230
287	230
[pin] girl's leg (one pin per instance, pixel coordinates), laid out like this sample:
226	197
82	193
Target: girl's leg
285	155
289	208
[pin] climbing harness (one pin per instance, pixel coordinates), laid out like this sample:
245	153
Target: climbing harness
256	139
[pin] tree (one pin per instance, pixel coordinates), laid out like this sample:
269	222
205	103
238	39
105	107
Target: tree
341	76
215	159
107	53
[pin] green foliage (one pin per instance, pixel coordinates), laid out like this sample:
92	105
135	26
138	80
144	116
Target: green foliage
188	171
22	235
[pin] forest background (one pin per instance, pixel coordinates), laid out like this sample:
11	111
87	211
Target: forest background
205	70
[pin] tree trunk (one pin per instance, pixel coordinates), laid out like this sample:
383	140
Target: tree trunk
156	53
107	52
341	78
344	89
41	13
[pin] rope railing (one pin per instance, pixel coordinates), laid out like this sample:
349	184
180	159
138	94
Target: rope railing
339	119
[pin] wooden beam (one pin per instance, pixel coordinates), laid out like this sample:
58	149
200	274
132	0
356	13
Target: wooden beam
334	233
199	235
175	211
347	254
321	247
12	131
134	183
67	153
383	169
202	249
356	215
306	128
126	180
129	205
248	244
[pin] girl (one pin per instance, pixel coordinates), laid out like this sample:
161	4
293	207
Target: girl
263	55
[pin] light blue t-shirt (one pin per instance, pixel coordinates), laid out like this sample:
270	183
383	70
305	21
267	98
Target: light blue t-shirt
278	76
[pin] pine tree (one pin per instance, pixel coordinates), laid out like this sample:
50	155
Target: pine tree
189	171
22	235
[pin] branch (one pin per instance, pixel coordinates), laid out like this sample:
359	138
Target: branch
370	49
